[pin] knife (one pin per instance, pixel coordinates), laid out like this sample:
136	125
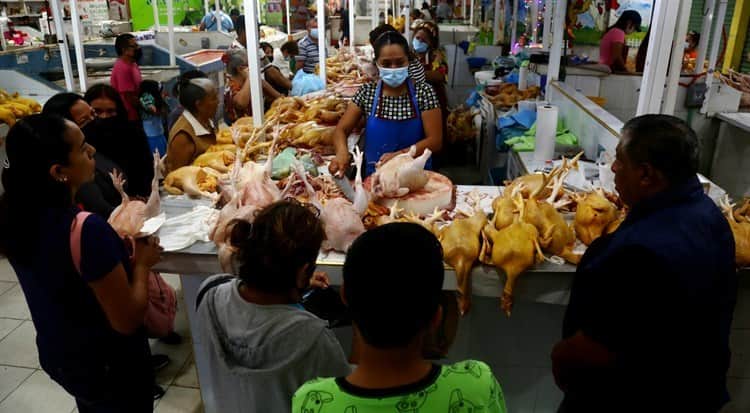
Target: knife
345	186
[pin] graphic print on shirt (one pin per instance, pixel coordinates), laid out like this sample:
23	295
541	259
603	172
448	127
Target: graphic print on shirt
458	404
315	400
351	409
413	402
467	367
496	395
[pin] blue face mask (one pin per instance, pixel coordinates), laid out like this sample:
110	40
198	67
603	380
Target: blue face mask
419	46
394	77
314	33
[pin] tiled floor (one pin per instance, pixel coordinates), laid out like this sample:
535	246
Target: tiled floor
22	382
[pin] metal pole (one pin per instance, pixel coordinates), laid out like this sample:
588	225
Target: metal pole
62	44
555	53
534	18
715	45
78	44
155	8
657	58
351	25
675	64
513	25
708	17
496	23
463	9
170	28
375	14
288	20
205	5
322	40
407	23
547	29
217	14
256	92
471	17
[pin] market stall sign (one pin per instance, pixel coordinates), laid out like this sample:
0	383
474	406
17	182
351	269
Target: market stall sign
143	14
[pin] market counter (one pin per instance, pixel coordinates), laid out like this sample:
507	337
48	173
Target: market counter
731	157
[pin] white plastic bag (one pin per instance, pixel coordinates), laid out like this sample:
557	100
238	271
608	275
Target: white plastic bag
304	83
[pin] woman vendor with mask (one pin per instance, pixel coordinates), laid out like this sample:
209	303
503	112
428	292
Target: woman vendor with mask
399	112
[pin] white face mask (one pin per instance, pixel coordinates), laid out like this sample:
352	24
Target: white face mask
686	45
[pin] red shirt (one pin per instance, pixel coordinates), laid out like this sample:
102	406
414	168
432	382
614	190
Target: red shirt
126	77
605	47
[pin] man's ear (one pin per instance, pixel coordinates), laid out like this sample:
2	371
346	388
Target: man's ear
56	172
649	175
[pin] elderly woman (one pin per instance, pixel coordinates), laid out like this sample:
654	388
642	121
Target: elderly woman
194	130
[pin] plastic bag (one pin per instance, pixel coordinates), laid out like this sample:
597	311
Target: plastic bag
304	83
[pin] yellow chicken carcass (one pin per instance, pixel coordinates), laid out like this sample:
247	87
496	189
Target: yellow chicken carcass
7	116
222	147
593	215
512	249
555	235
504	209
741	230
621	215
35	106
192	180
220	161
462	242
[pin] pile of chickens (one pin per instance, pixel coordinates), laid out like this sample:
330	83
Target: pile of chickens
506	95
14	107
741	82
461	125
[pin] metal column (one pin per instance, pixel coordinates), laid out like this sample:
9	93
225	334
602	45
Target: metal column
256	92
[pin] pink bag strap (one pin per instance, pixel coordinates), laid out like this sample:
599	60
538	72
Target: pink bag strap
75	238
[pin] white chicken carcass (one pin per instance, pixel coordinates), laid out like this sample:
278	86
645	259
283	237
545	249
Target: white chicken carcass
255	183
128	218
401	174
342	219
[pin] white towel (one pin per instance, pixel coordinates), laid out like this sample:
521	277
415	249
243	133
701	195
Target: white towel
185	230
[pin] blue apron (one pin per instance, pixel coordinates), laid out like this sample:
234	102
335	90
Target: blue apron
385	135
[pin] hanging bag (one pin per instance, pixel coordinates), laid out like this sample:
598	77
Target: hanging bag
162	300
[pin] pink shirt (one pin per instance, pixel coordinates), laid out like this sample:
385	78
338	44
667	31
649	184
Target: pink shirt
126	77
605	47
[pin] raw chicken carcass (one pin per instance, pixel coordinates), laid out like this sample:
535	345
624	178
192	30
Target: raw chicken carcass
255	183
128	218
401	174
219	160
195	181
512	249
593	215
462	242
538	185
555	235
741	230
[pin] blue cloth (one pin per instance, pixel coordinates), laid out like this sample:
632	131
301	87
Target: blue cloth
77	346
510	126
659	293
385	135
211	20
154	129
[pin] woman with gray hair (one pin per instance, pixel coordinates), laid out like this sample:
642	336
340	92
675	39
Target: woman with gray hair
194	131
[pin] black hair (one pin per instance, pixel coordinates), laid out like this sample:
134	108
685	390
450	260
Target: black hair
425	5
103	90
187	76
234	12
431	30
283	237
376	32
390	38
60	104
239	25
291	48
33	145
411	288
190	93
665	142
695	36
121	43
628	16
154	88
263	45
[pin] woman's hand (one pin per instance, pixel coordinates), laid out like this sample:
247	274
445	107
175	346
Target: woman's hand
320	280
338	165
147	252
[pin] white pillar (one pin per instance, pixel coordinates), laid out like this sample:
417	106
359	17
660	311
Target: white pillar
514	24
351	25
205	6
62	43
322	39
407	23
708	18
375	14
547	29
663	23
78	44
555	53
256	92
534	12
714	54
496	22
471	13
463	9
217	12
170	28
155	8
675	64
288	20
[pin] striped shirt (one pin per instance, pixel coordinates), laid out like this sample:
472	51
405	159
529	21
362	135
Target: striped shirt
308	50
416	71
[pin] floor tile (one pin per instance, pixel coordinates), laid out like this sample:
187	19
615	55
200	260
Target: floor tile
739	341
7	325
739	391
19	347
38	394
13	304
6	285
6	271
178	355
180	400
188	376
11	378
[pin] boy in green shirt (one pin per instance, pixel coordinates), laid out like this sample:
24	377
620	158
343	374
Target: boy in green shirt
393	277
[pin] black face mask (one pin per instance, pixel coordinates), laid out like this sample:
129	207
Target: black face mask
138	54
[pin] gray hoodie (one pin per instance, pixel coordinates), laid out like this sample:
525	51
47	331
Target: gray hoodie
259	355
